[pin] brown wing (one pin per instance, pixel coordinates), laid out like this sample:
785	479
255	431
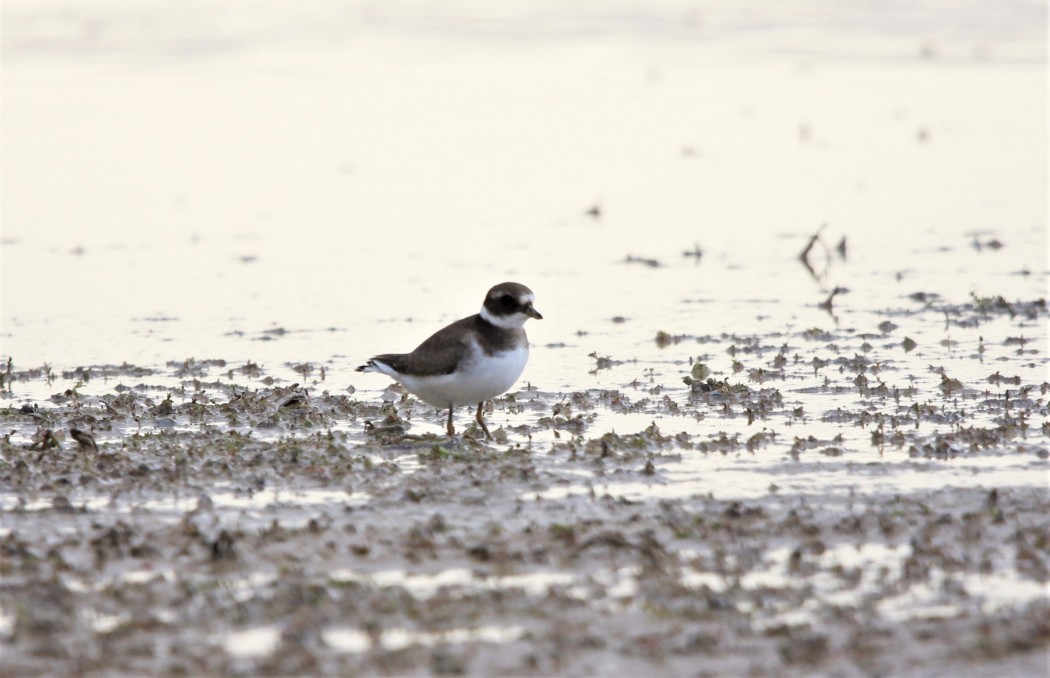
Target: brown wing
438	355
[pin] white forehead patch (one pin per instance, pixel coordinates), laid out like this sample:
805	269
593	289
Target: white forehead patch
498	294
525	298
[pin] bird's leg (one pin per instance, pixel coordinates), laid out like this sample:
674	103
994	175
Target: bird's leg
451	431
481	421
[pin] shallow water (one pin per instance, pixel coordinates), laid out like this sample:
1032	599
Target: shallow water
334	226
176	184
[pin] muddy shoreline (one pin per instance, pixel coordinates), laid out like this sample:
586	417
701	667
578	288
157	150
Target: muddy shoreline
271	531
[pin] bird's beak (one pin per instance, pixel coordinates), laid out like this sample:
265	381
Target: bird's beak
532	313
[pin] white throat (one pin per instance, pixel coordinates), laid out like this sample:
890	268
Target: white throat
508	322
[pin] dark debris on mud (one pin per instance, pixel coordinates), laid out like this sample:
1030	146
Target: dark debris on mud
187	524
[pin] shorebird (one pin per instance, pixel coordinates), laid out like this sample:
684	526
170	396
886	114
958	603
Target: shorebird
470	361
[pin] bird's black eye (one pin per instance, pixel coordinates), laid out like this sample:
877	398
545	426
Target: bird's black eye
508	301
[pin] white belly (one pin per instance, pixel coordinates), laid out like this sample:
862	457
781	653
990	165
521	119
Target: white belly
479	378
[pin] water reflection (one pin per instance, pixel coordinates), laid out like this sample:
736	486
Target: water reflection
426	585
354	641
482	165
252	642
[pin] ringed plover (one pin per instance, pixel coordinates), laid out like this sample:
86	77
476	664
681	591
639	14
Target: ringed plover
470	361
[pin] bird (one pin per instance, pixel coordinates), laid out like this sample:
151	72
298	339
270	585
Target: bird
471	360
85	441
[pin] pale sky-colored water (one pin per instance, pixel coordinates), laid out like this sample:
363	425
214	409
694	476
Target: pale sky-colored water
177	180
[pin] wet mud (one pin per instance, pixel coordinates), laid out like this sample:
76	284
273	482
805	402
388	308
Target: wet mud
206	518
